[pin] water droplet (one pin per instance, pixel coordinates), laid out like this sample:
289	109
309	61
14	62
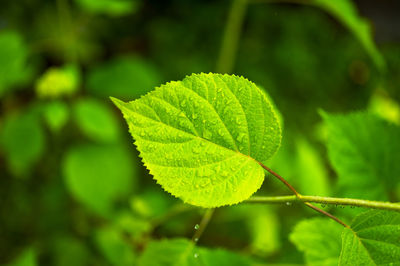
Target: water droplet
207	134
183	103
142	134
238	121
202	144
196	227
181	114
288	203
194	116
221	132
224	173
196	255
196	150
196	239
240	137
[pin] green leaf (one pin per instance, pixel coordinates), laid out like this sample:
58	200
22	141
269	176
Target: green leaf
262	224
26	258
181	252
202	138
111	243
13	57
56	114
373	239
56	82
124	77
319	239
96	120
109	7
22	140
346	12
364	151
97	175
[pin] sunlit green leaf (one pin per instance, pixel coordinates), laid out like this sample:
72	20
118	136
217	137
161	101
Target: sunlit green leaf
373	239
319	239
182	252
96	120
98	175
125	77
202	138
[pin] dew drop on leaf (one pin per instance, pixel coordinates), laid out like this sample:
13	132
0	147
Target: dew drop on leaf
196	227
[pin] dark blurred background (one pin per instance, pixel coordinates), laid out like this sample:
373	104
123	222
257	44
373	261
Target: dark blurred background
72	188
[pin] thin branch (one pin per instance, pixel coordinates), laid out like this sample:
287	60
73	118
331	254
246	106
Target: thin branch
230	41
329	201
298	196
202	226
326	213
280	179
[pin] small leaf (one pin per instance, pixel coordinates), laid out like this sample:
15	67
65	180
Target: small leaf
126	77
13	61
373	239
56	114
114	247
202	138
57	82
319	239
98	175
96	120
109	7
22	140
181	252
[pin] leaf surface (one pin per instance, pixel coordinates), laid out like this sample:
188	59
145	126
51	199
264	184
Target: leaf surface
202	137
181	252
364	150
374	239
319	239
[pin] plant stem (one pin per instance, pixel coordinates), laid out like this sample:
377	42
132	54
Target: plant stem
328	201
281	179
298	196
231	36
203	224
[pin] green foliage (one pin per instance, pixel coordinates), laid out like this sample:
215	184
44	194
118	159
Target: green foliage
26	258
346	12
181	252
109	7
212	130
114	247
56	115
57	82
363	149
124	77
319	239
373	239
96	120
92	178
13	61
22	141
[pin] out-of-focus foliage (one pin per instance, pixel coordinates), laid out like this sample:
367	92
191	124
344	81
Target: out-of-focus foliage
73	190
